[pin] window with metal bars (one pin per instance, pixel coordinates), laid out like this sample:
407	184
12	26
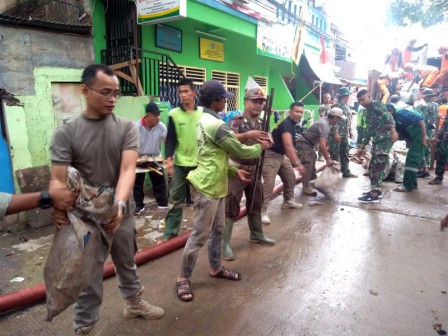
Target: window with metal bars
263	82
231	81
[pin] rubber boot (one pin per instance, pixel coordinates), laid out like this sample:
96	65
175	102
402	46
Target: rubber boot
256	230
307	190
227	253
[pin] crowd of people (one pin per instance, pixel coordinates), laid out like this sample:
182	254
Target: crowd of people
220	161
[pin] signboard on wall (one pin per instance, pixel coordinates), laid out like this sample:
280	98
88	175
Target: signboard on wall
211	50
156	11
168	38
274	40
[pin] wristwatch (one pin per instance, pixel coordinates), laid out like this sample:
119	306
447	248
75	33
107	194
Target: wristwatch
123	206
296	164
45	201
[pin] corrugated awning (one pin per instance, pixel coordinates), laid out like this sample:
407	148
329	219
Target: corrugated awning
324	72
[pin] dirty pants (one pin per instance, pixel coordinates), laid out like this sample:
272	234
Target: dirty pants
307	156
86	307
414	157
442	159
339	152
235	194
274	164
208	224
176	201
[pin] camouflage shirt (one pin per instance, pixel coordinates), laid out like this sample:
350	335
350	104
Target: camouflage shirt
379	123
430	111
343	126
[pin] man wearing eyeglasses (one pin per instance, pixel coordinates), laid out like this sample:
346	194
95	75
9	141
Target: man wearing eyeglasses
104	149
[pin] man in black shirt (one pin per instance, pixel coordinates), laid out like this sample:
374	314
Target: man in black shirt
276	162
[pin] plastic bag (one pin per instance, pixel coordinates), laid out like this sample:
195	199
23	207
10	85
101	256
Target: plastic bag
327	181
79	249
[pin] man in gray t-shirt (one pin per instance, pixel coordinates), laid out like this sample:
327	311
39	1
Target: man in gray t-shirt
104	149
317	133
152	133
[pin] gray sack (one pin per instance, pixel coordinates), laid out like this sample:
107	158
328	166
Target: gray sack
79	249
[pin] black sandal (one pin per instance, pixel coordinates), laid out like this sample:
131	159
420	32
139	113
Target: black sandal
232	274
186	290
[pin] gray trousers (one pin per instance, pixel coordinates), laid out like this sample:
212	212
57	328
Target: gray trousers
208	224
86	308
274	164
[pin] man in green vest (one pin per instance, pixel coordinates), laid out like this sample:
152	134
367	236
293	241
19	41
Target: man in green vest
216	142
180	150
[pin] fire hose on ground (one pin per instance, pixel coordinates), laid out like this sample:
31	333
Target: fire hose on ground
34	294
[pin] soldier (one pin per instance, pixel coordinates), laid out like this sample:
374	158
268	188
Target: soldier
248	131
381	130
276	162
316	134
430	111
339	143
442	152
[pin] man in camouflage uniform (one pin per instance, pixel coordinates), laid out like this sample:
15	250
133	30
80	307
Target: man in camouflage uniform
381	130
430	111
338	139
442	152
247	129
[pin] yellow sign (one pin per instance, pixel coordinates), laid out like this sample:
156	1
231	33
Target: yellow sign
211	50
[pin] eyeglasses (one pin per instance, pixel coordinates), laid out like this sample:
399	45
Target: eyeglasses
108	94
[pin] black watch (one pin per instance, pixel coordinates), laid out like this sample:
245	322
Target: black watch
45	201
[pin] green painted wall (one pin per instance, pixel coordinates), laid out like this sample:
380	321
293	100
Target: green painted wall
30	126
99	28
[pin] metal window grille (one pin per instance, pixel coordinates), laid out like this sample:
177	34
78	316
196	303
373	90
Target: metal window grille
231	81
263	82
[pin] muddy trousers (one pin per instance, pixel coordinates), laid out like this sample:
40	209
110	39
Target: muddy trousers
307	155
208	224
339	152
442	159
274	164
414	158
86	308
176	201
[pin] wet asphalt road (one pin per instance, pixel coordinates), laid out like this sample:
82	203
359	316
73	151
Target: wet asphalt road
338	268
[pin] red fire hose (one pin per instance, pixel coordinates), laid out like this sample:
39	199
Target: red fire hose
28	296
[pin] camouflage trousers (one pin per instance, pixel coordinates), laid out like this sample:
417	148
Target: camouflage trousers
377	168
427	155
339	152
442	159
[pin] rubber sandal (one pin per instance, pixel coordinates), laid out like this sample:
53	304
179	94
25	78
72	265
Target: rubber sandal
232	274
186	290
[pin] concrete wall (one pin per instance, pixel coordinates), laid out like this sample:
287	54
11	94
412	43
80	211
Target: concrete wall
22	50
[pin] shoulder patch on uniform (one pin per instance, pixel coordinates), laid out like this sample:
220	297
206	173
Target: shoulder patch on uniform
234	123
